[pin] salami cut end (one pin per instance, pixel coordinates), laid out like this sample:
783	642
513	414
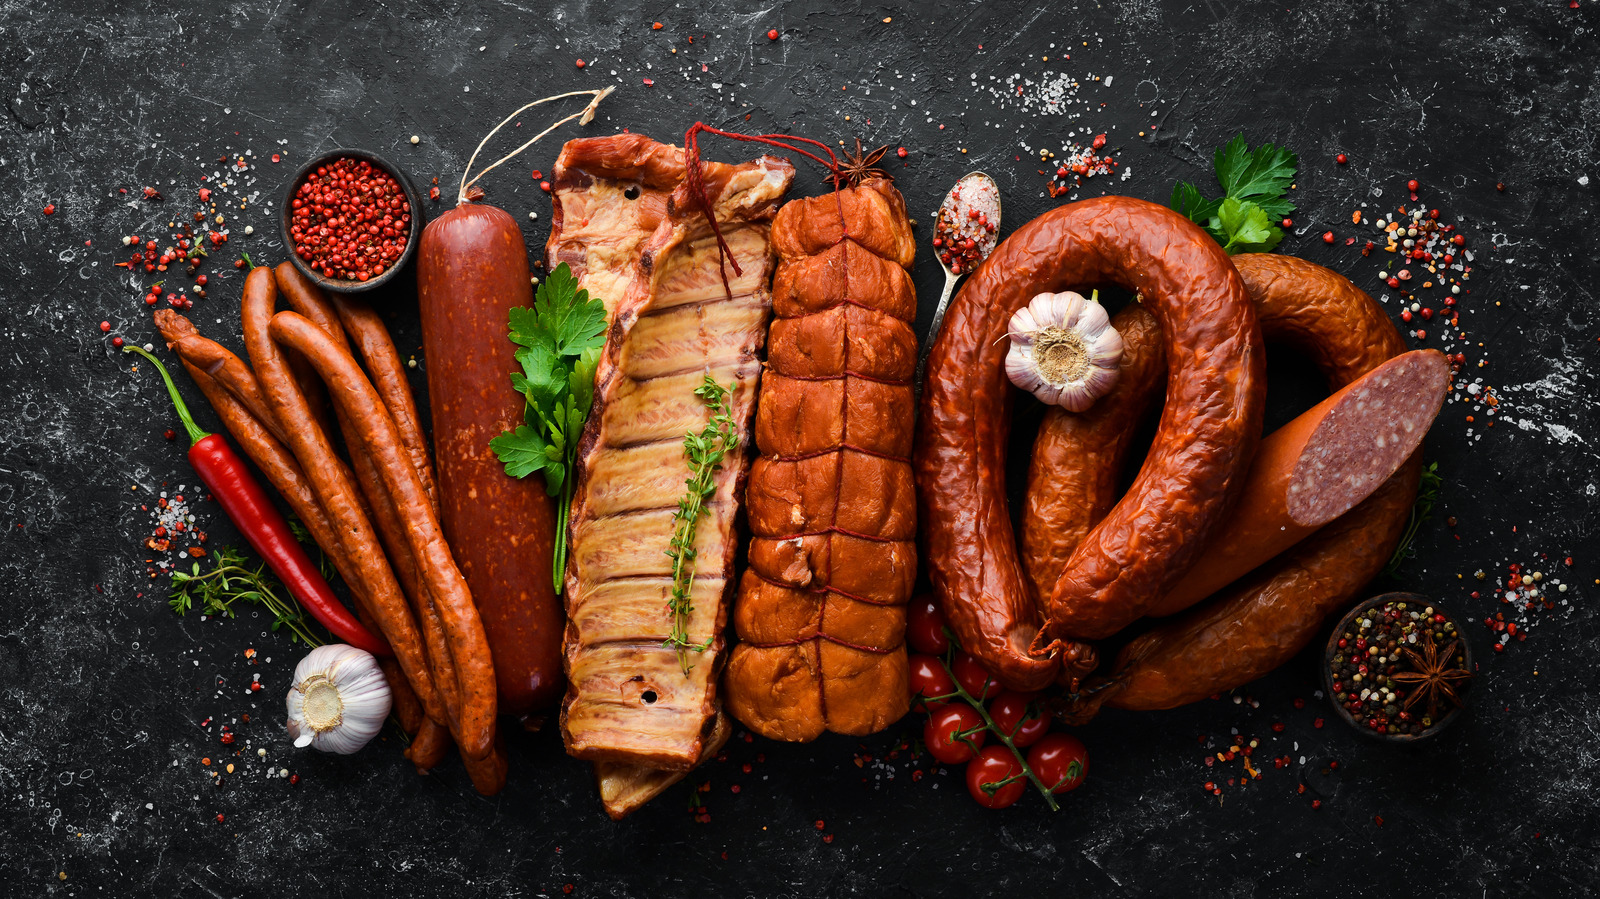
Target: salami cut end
1370	428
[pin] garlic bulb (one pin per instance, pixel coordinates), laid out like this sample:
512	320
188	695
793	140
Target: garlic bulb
339	699
1063	350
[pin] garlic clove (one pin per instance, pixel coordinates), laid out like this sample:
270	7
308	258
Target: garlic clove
1063	350
339	699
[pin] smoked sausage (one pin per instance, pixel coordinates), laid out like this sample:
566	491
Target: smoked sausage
472	268
428	745
1318	467
364	328
1078	458
1261	622
331	481
377	351
306	298
1203	445
364	409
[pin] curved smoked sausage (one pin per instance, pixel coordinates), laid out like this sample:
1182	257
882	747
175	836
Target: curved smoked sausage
378	437
330	479
1318	467
1078	457
1207	434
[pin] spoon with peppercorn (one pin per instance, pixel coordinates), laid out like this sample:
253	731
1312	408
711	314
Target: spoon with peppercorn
965	231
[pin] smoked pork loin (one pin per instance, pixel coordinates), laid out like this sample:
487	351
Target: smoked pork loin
821	608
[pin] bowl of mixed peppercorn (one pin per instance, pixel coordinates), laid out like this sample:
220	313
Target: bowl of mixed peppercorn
1397	668
351	220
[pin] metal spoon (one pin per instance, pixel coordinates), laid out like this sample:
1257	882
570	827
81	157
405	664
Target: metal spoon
975	190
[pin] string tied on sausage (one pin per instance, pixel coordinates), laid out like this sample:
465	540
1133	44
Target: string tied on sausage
694	176
800	641
860	376
584	117
1078	659
828	451
823	591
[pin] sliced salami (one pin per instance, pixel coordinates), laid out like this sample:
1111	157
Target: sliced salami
1318	467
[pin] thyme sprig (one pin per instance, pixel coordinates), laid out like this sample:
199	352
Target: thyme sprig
230	581
705	452
1421	511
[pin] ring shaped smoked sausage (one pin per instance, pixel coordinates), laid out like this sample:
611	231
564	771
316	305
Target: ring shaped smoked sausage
1203	445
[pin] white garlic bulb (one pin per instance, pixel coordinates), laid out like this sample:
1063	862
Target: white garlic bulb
339	699
1063	350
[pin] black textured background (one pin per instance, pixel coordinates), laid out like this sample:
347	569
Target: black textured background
102	690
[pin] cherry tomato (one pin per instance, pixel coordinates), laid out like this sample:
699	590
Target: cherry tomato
954	733
928	678
995	777
1060	762
1015	716
973	678
925	626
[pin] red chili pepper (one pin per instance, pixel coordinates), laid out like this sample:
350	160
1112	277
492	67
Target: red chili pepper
251	510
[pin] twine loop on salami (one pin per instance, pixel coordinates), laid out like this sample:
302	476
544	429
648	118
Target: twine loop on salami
694	176
584	117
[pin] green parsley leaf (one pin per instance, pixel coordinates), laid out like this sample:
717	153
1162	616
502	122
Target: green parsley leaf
1262	175
1186	200
559	340
523	451
566	314
1245	227
1255	184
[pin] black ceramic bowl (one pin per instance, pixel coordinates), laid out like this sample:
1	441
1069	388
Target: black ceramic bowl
337	284
1332	648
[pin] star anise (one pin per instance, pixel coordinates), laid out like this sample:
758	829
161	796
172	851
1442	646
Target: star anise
1433	675
858	167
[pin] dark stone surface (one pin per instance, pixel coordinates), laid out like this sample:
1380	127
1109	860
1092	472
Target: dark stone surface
103	690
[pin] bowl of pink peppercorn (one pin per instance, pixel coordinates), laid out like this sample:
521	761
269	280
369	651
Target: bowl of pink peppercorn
351	220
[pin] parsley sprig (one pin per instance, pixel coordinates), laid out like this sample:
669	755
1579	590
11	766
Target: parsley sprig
1255	184
231	581
558	343
704	452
